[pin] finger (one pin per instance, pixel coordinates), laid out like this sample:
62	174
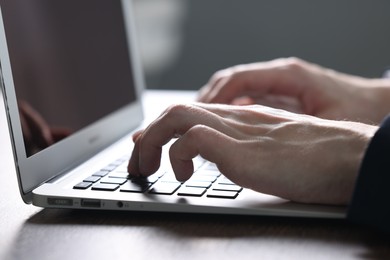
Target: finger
136	135
279	77
214	80
236	116
174	122
226	89
199	140
236	122
133	165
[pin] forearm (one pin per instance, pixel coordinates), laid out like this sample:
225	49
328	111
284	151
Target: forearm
362	99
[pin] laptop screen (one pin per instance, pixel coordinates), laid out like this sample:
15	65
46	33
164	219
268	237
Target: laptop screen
70	65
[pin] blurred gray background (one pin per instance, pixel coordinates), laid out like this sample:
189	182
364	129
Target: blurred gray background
183	42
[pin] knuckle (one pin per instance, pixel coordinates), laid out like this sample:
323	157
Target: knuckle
199	135
197	132
294	64
177	109
227	73
239	68
217	76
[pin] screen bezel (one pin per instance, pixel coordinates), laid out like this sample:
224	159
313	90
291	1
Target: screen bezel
66	154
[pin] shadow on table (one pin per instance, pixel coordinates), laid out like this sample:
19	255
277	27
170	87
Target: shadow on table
182	225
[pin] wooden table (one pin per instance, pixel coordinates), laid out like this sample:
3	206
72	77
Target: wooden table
28	232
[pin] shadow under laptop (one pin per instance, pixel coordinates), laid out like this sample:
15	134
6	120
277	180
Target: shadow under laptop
75	234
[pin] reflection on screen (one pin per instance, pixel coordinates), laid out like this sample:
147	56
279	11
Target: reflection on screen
70	64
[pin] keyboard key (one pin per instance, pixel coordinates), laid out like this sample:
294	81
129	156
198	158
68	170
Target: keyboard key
225	181
122	167
92	179
109	167
115	174
198	184
152	178
201	177
100	173
133	187
118	181
191	191
210	166
198	162
105	186
227	187
204	172
165	188
160	172
119	162
169	177
222	194
82	185
141	180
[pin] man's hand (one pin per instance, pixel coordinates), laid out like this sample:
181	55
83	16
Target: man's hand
294	156
299	86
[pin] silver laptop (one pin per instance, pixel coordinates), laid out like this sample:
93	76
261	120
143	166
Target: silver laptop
72	84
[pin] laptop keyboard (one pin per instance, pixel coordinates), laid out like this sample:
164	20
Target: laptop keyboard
206	181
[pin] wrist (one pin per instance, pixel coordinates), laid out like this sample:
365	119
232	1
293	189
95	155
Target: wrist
378	92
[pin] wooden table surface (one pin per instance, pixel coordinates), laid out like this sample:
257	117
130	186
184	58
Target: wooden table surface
28	232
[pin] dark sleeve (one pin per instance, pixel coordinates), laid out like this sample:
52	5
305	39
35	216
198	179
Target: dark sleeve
370	203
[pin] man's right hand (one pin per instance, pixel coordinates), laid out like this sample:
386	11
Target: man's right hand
303	87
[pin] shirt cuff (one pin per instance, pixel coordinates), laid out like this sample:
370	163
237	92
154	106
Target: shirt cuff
370	201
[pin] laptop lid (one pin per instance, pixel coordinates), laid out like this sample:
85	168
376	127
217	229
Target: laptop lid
69	73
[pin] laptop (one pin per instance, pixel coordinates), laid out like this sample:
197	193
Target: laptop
72	85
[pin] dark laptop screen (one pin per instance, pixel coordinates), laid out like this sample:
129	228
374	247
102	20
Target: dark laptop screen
70	64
